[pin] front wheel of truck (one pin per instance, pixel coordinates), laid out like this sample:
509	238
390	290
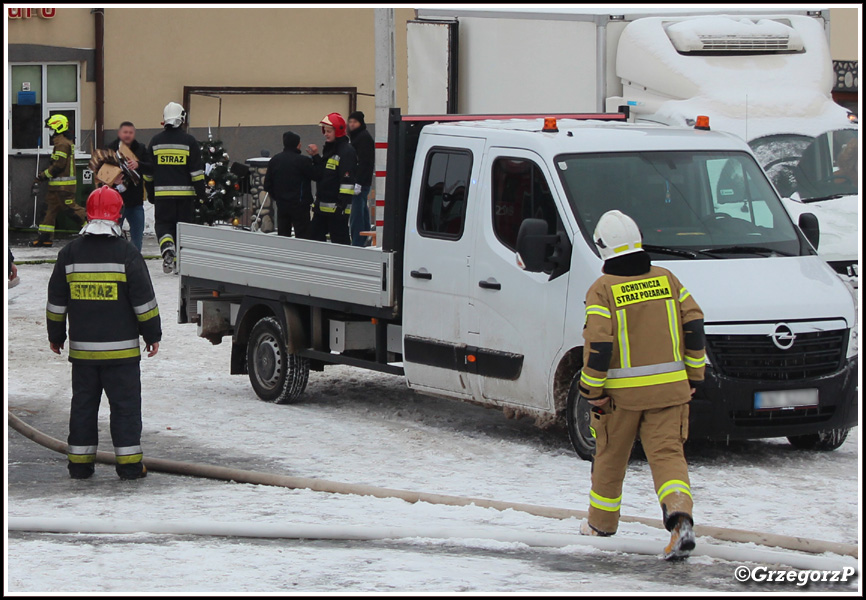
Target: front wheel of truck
577	418
823	440
275	374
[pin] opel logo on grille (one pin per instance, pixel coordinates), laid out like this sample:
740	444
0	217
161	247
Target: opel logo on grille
783	337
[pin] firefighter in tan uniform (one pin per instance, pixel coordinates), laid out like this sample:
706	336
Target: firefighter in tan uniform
60	175
643	357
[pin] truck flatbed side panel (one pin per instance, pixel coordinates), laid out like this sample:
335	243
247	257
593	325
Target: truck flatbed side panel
360	276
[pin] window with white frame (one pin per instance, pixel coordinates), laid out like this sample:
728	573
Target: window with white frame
36	92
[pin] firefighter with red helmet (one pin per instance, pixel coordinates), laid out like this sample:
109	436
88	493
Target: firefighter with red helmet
101	285
335	172
644	357
60	176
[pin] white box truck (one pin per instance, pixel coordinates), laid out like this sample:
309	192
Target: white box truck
477	291
764	75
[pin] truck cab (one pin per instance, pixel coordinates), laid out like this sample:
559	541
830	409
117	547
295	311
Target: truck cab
478	324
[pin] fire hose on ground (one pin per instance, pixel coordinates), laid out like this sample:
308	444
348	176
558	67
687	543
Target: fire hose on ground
810	547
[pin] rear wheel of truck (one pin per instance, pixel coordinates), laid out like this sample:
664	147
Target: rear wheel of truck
276	375
823	440
577	418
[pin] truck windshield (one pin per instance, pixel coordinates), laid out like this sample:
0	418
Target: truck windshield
688	205
810	169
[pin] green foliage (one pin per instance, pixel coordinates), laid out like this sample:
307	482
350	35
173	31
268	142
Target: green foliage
223	190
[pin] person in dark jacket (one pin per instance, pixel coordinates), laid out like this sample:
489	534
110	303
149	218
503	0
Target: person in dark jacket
174	176
101	283
335	177
365	148
132	192
288	182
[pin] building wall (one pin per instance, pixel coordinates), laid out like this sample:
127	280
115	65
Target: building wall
844	33
152	53
274	46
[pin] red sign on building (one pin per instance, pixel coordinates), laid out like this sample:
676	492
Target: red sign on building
26	13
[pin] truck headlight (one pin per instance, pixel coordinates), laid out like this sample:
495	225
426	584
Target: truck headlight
852	342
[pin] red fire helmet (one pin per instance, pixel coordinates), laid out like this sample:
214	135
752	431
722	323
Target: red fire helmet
336	121
104	204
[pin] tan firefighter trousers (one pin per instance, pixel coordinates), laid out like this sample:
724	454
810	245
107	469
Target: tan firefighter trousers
59	201
662	433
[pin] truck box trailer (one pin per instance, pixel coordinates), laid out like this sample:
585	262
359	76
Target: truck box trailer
763	74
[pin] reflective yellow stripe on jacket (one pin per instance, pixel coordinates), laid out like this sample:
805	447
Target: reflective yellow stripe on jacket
597	309
647	375
68	180
146	311
55	312
104	350
173	190
590	381
622	334
674	326
331	207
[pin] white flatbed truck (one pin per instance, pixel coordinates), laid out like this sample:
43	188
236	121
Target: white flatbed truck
477	290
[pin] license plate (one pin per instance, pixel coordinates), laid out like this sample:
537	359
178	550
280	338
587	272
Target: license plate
786	399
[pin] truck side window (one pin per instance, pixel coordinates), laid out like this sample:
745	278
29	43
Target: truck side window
520	191
443	196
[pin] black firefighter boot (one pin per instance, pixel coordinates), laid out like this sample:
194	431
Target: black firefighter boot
135	470
168	258
682	538
80	470
43	241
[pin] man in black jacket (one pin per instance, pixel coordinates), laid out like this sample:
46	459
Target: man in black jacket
335	177
288	182
365	147
174	175
132	192
101	283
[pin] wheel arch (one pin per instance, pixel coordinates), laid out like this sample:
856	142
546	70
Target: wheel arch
569	366
254	309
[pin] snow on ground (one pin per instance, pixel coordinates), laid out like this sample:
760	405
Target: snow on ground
358	427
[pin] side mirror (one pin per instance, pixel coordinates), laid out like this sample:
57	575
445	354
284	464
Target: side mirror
532	242
542	252
809	226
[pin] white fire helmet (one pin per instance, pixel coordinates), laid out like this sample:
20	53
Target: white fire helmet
616	235
173	114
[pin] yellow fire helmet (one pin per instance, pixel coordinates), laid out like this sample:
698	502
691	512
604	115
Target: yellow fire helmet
57	123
